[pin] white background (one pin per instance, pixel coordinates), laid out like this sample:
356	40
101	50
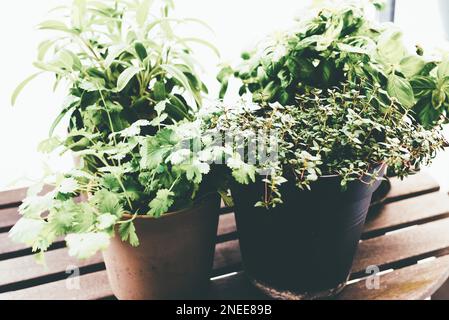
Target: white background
238	24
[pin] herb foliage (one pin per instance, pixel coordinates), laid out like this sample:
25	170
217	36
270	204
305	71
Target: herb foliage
339	44
130	79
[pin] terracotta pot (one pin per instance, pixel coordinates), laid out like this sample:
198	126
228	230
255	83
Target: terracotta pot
304	248
174	259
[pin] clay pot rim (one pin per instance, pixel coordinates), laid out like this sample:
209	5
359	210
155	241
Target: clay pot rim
167	215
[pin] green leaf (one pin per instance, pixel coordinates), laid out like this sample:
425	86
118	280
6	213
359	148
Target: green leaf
79	10
223	77
113	53
27	231
68	186
401	89
422	85
391	48
43	48
108	202
61	116
443	69
181	77
438	98
162	203
159	91
126	77
127	232
34	207
141	51
202	42
86	245
195	170
143	11
106	221
154	149
49	145
21	86
412	65
55	25
242	172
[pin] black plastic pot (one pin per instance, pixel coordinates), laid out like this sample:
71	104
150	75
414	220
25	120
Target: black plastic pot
380	196
303	249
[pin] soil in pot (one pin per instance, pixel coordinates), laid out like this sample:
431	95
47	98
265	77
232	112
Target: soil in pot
174	259
303	249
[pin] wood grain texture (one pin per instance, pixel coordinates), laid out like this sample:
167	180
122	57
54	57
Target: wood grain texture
92	286
408	212
21	278
8	217
8	246
227	228
234	287
12	197
407	245
25	268
416	282
227	257
412	186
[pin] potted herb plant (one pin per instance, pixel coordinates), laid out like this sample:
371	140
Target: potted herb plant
130	79
330	49
335	94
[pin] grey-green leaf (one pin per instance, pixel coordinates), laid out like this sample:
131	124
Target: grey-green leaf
21	86
181	77
126	77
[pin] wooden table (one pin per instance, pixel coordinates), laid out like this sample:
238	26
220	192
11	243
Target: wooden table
408	239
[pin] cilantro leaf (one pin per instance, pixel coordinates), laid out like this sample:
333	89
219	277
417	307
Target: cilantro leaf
108	202
27	231
86	245
127	232
162	203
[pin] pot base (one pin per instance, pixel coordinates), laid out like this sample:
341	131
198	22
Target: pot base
290	295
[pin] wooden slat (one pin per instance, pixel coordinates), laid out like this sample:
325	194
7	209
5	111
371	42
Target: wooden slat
227	228
228	254
8	246
227	257
406	245
26	268
92	286
8	217
408	212
416	282
234	287
12	197
412	186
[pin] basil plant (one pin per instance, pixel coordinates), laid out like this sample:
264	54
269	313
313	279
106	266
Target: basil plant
342	95
337	44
